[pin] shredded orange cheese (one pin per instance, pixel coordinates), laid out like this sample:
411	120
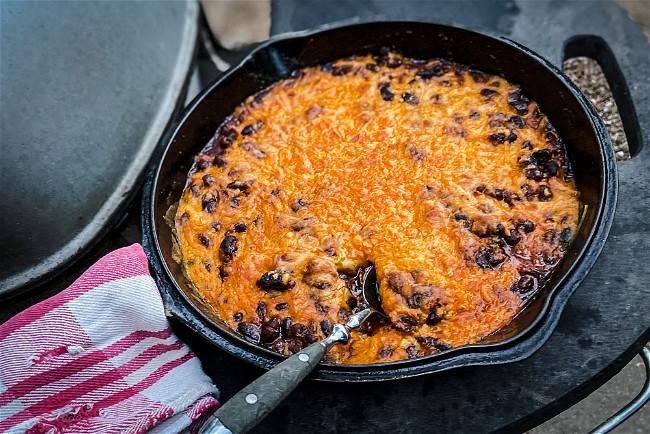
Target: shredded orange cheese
450	181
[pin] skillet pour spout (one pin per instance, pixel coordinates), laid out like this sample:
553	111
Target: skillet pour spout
588	147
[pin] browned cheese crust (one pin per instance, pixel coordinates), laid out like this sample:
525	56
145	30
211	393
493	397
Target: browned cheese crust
449	180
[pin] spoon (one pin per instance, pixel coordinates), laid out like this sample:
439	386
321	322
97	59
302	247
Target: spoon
255	401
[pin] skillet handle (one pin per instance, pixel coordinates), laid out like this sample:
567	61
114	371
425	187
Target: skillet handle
595	47
255	401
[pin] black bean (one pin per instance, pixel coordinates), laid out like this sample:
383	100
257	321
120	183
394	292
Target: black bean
552	139
285	327
238	316
205	240
510	198
216	226
409	98
276	280
460	217
249	330
529	192
534	173
298	204
433	318
474	115
372	67
552	168
414	301
241	185
542	156
195	189
394	62
261	310
322	285
385	352
298	330
512	137
497	138
519	122
203	164
434	343
518	101
489	257
351	302
488	93
240	227
235	201
219	161
544	193
386	94
478	76
409	322
185	217
275	191
228	248
282	306
270	331
527	226
527	145
224	272
208	180
445	83
514	238
437	70
325	327
209	203
526	284
229	138
252	128
341	70
412	351
207	266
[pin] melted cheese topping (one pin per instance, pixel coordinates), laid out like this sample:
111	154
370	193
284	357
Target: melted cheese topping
450	181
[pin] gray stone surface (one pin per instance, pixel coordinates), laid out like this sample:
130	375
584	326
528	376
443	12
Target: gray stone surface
603	403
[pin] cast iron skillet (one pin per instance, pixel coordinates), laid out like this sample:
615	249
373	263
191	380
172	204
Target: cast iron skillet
588	146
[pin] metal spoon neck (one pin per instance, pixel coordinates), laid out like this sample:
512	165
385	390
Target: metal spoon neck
358	318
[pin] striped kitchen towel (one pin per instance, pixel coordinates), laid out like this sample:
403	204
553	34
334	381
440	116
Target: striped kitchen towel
100	357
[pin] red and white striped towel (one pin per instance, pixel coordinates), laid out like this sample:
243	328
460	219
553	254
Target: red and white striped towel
100	357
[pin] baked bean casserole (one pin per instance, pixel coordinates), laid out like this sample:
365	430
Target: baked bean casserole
449	180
